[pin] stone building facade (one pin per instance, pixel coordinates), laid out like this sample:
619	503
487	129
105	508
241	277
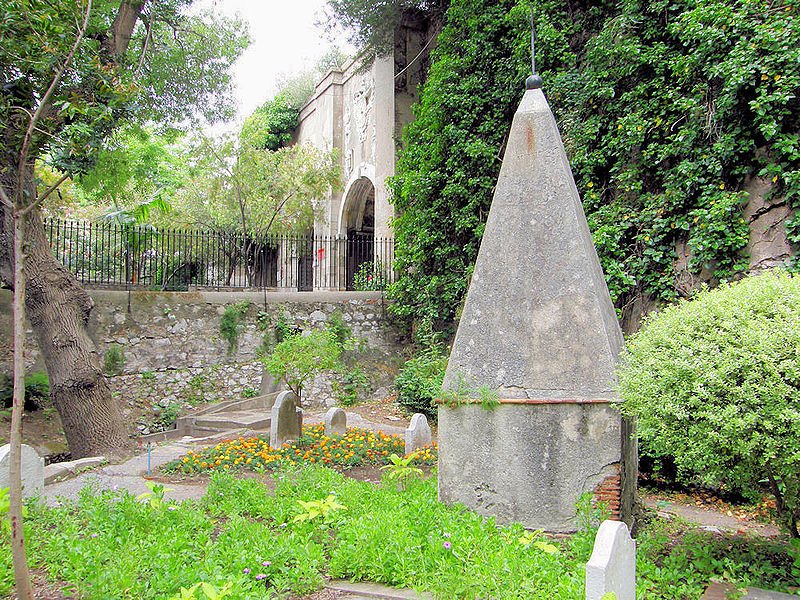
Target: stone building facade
360	111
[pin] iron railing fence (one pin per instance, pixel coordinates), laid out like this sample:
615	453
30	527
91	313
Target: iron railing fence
110	254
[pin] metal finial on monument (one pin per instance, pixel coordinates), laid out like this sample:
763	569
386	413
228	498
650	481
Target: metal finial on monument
533	82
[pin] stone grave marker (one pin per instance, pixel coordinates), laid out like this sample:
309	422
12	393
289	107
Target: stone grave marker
287	420
612	566
335	422
418	433
32	468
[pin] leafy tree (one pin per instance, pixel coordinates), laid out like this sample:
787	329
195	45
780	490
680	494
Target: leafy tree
372	24
300	357
68	82
237	186
714	382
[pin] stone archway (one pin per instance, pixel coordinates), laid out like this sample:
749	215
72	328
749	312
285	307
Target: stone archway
358	223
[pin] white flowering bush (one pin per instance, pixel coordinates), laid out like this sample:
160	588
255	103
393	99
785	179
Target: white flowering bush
715	383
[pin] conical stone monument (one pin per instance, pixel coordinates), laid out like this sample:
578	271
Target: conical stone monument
539	329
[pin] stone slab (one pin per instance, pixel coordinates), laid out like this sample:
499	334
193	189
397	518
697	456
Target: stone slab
335	422
538	328
418	433
31	467
375	590
612	566
286	421
63	470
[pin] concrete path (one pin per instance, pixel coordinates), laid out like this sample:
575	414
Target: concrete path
712	519
130	475
722	591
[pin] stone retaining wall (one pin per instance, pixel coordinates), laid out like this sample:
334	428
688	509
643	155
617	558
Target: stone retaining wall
174	339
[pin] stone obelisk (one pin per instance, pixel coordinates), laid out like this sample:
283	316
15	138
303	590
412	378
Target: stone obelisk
538	327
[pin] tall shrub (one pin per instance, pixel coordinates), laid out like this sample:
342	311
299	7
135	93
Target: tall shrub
715	383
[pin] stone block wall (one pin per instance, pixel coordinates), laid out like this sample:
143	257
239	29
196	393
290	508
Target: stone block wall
172	340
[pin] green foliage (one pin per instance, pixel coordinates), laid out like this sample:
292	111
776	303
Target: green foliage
667	112
369	277
114	360
243	535
210	592
419	383
271	125
37	391
372	24
183	73
400	469
231	324
155	497
714	383
351	384
318	509
298	359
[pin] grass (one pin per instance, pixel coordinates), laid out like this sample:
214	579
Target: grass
267	544
357	447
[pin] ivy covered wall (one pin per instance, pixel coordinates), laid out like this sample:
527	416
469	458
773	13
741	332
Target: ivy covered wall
680	118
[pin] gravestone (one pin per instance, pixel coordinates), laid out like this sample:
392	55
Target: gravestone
31	467
418	433
287	420
612	566
335	422
538	328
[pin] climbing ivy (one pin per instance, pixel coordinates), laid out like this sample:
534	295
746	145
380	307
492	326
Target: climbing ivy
668	110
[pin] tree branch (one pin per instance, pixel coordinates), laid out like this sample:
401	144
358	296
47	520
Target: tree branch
44	196
44	103
145	44
4	199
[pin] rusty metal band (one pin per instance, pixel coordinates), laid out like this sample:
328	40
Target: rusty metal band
530	401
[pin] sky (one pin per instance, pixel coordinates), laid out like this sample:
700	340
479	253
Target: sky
285	40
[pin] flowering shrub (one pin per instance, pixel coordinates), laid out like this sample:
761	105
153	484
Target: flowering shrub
357	447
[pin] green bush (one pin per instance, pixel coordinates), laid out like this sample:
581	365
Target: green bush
114	360
715	384
37	391
231	323
352	384
299	358
420	381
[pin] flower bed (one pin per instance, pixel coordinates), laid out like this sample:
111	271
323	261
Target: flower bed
356	448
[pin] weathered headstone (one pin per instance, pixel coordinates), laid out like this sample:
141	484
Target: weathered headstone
287	420
335	422
538	327
32	469
418	433
269	384
612	566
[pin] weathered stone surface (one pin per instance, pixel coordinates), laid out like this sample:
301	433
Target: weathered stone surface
538	326
287	420
335	422
32	469
612	566
418	433
269	384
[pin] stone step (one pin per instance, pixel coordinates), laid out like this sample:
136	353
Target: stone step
234	420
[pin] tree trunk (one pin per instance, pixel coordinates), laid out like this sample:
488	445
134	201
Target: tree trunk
22	578
58	310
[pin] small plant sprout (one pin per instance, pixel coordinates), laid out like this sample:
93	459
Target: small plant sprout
318	509
210	592
155	496
400	470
